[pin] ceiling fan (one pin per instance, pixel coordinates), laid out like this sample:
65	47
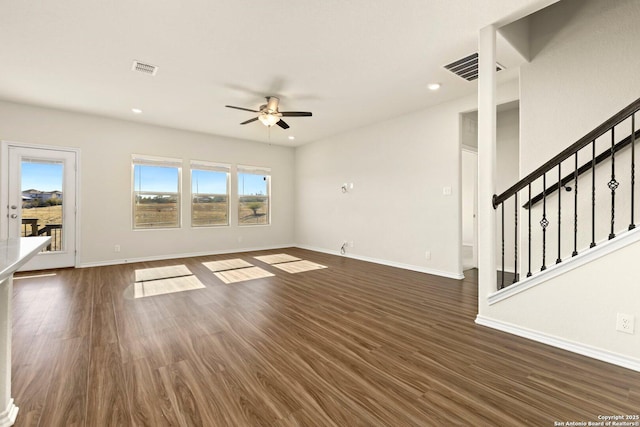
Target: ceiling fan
269	114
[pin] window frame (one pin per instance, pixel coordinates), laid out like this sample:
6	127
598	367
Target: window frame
254	170
155	161
211	167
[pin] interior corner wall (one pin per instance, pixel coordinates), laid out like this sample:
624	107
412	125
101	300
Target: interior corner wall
582	72
397	209
106	146
584	69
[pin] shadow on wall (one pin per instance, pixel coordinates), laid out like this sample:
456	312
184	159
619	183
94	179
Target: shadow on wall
554	18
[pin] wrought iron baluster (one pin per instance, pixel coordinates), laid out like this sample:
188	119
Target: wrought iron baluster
575	208
632	225
593	194
502	278
515	240
529	252
613	184
559	260
544	222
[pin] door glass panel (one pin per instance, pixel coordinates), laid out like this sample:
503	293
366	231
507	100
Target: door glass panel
42	198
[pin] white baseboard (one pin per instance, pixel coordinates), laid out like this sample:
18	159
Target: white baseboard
574	347
8	416
184	255
420	269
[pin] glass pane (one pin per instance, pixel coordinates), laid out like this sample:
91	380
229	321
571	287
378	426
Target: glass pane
156	197
253	199
209	198
41	186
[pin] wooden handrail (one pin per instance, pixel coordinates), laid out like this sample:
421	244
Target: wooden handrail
570	177
568	152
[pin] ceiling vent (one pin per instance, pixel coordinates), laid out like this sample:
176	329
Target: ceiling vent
144	68
467	67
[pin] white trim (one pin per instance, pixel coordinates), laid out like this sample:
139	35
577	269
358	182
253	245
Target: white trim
210	166
183	255
622	240
253	170
447	274
4	192
148	160
585	350
8	416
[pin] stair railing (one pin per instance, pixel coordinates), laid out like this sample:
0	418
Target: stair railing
618	133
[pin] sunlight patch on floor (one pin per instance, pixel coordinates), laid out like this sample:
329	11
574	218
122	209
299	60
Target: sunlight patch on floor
146	274
276	258
299	266
242	274
227	264
166	286
33	276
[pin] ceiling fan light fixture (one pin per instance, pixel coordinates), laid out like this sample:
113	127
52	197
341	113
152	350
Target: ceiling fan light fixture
268	119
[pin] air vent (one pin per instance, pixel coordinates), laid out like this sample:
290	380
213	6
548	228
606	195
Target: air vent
467	67
144	68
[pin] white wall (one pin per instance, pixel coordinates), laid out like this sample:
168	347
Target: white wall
396	210
106	146
582	72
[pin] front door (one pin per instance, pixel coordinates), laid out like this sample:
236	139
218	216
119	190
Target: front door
40	185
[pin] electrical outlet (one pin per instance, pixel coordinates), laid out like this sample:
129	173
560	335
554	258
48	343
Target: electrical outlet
625	323
427	255
116	248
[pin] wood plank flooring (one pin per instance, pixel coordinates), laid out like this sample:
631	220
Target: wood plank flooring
355	344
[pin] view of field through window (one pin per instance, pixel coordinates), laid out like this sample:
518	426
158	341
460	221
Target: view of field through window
156	196
42	198
209	197
253	197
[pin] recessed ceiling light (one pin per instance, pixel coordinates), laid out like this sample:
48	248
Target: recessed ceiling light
433	86
291	137
136	111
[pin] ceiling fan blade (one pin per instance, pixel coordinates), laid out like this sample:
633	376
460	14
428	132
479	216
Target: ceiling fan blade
249	121
295	113
282	124
240	108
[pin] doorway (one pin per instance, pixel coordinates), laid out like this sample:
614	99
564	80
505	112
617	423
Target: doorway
507	172
40	199
469	213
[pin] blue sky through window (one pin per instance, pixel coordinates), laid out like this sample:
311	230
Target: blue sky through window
249	184
41	176
208	182
159	179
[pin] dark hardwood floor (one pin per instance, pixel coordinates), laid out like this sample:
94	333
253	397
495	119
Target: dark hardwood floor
356	344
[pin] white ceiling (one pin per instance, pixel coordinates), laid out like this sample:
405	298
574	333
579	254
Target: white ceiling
351	63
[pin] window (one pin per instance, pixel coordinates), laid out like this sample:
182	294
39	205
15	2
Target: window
209	194
156	192
254	185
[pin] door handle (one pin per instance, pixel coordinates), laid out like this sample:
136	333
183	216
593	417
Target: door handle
14	207
14	216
